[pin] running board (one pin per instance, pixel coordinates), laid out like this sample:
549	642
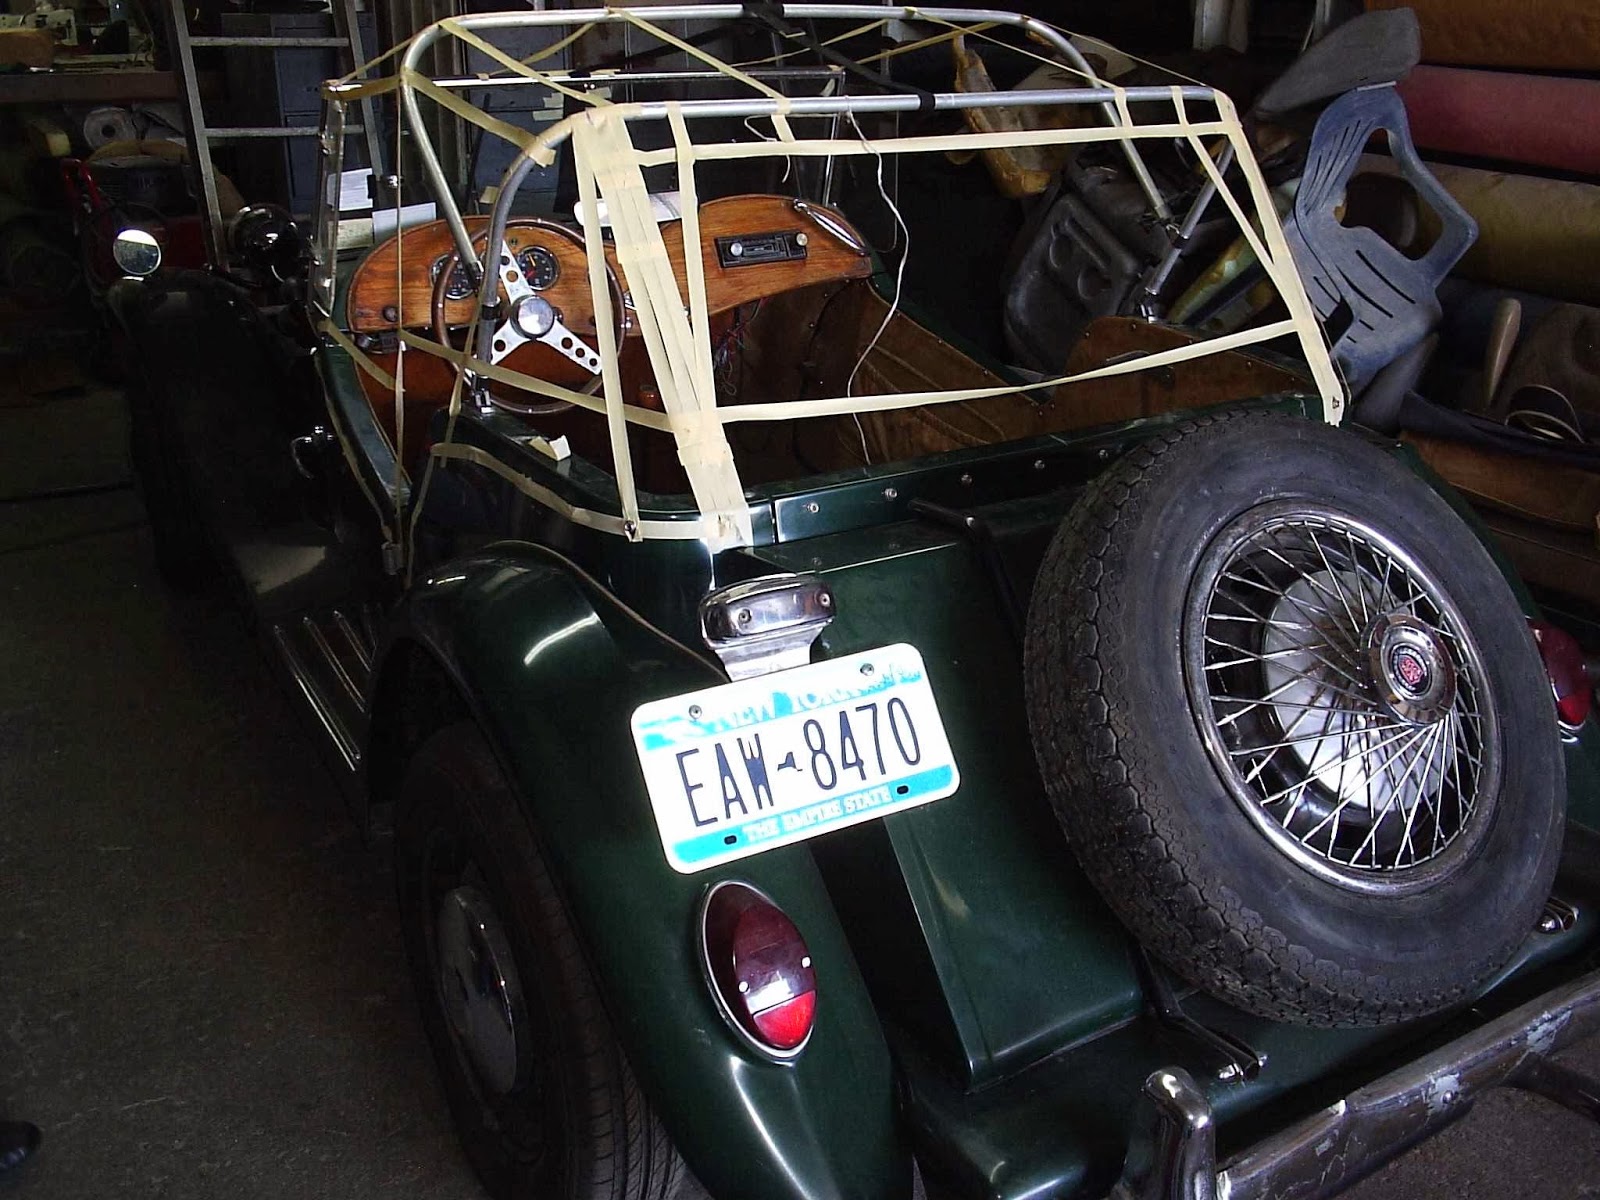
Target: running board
329	658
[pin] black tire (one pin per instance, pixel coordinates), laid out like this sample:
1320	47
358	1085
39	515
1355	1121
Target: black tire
182	551
1146	801
575	1126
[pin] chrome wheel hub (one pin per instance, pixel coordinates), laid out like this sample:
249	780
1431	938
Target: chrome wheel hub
479	988
1410	669
1340	697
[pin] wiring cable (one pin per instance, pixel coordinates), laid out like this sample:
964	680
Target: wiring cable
903	242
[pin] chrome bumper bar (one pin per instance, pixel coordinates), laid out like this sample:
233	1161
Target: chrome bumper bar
1173	1154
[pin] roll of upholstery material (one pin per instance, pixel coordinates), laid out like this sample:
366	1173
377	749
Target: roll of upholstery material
1551	35
1498	114
1539	235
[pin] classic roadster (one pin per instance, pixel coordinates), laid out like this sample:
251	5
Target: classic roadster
830	751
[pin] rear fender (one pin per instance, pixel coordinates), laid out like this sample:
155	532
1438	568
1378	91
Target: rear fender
551	667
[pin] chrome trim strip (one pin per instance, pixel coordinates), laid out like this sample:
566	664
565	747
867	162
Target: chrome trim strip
340	736
324	648
358	646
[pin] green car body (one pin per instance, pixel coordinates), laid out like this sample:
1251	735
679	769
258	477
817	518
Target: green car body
984	1025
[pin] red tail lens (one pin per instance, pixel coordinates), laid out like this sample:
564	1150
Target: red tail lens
1563	662
759	968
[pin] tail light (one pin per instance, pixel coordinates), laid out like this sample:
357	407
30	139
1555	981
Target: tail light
759	969
1563	662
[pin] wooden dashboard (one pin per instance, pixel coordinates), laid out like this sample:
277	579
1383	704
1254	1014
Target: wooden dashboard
751	247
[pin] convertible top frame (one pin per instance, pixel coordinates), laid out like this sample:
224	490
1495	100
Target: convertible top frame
676	330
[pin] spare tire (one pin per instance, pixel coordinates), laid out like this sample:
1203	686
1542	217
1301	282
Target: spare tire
1294	723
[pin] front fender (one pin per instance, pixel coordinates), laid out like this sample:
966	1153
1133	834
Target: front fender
552	668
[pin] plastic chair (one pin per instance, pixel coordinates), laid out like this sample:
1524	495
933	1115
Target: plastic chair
1375	302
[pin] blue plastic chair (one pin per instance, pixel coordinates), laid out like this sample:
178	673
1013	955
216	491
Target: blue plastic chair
1374	301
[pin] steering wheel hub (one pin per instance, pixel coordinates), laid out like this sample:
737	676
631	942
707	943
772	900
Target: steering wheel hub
534	316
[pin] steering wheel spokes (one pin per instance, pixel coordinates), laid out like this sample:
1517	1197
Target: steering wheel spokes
535	319
541	284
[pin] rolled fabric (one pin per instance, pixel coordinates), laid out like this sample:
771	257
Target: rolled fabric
1550	35
1498	114
1538	235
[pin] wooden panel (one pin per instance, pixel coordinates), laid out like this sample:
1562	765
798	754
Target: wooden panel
827	257
375	300
909	357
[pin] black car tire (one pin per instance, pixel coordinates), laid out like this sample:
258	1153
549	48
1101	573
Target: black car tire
182	551
1152	816
576	1125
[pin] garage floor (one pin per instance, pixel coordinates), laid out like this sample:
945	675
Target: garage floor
201	987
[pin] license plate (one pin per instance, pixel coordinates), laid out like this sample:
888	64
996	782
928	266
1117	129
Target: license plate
749	766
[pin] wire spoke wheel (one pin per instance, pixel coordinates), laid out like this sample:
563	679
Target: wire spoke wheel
1293	722
1341	697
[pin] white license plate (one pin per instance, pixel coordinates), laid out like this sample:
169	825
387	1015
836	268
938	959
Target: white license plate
749	766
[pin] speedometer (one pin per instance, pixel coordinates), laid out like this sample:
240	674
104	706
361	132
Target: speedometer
460	285
539	267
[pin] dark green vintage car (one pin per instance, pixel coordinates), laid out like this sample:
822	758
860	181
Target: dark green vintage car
827	755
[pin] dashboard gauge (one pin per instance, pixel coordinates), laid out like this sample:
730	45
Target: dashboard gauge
460	285
539	267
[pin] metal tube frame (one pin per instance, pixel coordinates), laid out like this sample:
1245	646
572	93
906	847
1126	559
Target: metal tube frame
1221	121
572	18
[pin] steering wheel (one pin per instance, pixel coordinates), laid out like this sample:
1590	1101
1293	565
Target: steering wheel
546	304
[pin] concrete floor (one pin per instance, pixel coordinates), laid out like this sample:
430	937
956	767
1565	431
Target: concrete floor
201	987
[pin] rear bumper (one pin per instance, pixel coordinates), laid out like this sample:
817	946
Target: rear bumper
1173	1155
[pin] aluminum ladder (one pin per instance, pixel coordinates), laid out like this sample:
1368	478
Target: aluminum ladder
201	135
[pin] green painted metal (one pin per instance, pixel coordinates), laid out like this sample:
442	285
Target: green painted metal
1060	1127
1028	959
554	668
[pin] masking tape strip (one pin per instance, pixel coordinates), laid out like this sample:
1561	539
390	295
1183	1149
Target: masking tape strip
949	35
703	442
602	145
557	47
789	410
774	59
366	89
1276	257
978	31
605	325
361	68
355	352
521	138
779	119
694	266
683	531
822	147
450	26
530	383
